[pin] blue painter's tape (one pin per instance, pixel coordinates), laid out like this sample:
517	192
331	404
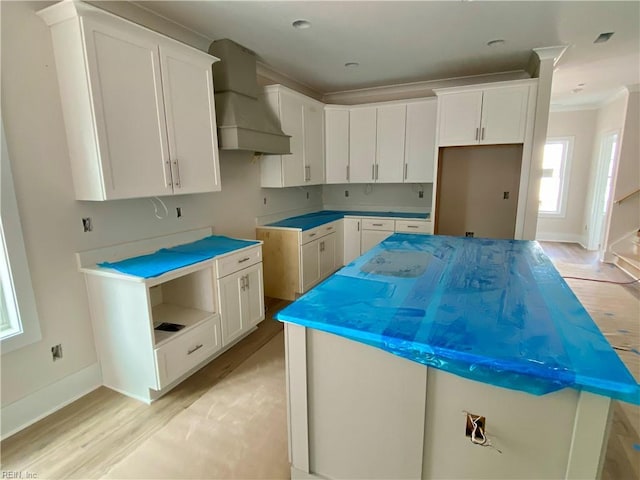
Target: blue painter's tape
167	259
495	311
312	220
636	446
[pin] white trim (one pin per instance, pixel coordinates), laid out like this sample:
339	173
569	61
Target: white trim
565	177
554	108
561	237
635	88
268	72
551	53
28	410
21	286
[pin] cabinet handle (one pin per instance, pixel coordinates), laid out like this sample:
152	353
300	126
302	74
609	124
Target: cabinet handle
243	285
322	246
197	347
373	172
168	174
247	282
482	134
376	171
477	130
412	226
405	171
177	165
312	235
329	228
376	224
307	173
358	226
347	173
245	259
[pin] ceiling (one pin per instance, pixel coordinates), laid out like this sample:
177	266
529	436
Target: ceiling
398	42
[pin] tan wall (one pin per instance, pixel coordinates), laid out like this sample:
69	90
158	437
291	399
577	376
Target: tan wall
581	126
472	181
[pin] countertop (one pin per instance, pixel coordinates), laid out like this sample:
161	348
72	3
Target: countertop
315	219
495	311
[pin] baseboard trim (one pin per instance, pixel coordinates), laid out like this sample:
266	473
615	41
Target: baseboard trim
561	237
28	410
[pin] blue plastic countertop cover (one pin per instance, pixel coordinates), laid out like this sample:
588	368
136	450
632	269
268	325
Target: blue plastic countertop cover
167	259
312	220
494	311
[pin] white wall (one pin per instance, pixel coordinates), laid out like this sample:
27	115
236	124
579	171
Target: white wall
382	197
625	216
581	126
51	217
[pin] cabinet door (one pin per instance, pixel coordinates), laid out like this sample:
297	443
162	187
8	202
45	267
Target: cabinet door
232	306
126	87
313	115
459	118
310	265
390	126
327	255
420	142
337	145
255	295
371	238
191	119
362	144
291	121
351	239
504	115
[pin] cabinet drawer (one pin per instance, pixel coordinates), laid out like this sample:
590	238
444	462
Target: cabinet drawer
377	224
414	226
315	233
237	261
179	355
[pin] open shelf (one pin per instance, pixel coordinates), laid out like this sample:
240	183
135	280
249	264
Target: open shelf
169	313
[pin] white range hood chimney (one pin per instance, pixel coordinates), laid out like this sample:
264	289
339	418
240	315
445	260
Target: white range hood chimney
243	120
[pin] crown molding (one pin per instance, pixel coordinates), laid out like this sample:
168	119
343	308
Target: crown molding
274	76
551	53
421	89
574	108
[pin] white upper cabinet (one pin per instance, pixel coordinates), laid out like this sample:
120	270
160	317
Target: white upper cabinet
489	115
362	145
420	143
390	139
337	144
138	107
302	118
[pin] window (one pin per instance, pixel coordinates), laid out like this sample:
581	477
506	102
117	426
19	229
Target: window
19	324
554	183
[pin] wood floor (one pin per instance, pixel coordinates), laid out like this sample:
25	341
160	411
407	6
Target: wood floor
87	438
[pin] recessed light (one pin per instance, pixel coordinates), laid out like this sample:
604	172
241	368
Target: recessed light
603	37
495	43
351	64
301	24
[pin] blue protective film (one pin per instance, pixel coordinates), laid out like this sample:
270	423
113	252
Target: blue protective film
167	259
495	311
312	220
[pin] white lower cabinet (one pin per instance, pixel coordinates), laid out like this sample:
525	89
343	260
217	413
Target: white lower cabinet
241	302
152	333
351	239
318	260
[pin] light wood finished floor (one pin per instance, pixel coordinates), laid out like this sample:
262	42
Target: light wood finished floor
88	437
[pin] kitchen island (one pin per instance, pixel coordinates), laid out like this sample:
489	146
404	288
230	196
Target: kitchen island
388	358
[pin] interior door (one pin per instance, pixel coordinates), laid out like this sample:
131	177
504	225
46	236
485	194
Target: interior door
478	191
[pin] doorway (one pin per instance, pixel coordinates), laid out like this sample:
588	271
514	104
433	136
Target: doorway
602	190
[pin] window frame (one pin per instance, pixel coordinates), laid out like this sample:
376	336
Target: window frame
24	304
565	177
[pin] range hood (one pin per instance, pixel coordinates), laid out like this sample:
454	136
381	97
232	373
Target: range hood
243	120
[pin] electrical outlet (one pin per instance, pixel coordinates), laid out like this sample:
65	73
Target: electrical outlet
87	226
420	194
505	196
307	195
265	200
56	352
178	212
468	234
346	193
475	421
